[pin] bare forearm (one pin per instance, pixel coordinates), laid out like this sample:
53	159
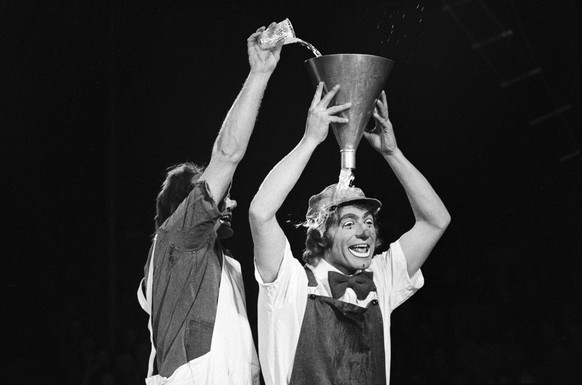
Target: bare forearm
236	130
426	204
268	237
232	140
281	180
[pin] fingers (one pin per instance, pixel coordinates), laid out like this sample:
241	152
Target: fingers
379	118
375	114
319	91
262	56
254	37
317	94
382	124
262	29
339	108
319	104
279	45
259	31
382	105
338	119
327	98
379	108
332	111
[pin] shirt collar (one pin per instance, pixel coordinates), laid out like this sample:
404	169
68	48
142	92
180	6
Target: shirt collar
323	267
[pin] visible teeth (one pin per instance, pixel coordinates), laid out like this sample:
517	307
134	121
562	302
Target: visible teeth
360	251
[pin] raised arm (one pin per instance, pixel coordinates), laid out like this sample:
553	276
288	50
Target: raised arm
431	215
233	138
268	237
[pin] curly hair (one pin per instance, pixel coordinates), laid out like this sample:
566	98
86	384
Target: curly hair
179	182
316	243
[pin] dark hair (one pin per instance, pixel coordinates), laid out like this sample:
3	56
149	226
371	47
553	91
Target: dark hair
178	184
316	243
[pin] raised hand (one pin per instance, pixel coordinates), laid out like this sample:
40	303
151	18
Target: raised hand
320	115
382	136
262	61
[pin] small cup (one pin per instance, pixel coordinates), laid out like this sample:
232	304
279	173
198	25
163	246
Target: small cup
280	31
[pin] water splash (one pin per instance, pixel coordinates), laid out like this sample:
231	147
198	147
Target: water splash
309	46
345	180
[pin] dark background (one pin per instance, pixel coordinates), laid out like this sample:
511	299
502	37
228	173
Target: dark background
99	98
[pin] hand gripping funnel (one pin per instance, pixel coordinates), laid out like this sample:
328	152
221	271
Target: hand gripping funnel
362	78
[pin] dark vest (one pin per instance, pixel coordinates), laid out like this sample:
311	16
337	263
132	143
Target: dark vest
339	343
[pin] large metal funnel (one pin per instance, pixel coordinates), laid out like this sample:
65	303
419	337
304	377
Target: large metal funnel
362	78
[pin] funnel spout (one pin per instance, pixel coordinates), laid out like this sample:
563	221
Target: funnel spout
348	158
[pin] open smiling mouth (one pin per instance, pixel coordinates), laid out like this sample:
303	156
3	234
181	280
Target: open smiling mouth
226	218
360	251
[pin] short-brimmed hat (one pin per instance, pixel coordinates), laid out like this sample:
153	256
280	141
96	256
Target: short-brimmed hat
320	205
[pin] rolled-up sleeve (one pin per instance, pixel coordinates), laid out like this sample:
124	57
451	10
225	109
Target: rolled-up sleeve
281	307
194	220
391	274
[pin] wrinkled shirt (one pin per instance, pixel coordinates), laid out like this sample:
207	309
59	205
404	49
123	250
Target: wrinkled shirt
187	273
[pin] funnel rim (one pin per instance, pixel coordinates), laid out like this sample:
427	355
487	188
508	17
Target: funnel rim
349	54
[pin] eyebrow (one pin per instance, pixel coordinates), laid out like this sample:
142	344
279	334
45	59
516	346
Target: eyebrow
355	216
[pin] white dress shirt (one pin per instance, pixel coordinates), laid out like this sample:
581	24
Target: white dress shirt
282	303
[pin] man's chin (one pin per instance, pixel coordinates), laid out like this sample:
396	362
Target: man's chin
224	231
356	263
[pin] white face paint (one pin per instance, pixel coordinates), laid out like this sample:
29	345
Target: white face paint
353	240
